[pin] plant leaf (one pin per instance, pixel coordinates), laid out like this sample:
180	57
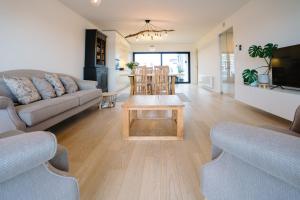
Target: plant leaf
269	49
255	51
250	76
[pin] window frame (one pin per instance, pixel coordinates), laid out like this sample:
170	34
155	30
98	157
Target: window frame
171	52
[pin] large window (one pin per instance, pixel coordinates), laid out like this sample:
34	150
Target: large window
179	62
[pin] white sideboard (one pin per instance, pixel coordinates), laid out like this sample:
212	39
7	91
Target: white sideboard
279	102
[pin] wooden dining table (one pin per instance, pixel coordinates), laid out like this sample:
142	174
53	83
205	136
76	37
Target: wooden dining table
172	79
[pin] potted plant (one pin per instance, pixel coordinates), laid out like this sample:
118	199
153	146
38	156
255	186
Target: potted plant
132	65
250	77
266	53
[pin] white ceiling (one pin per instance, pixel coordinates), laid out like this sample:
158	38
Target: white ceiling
190	18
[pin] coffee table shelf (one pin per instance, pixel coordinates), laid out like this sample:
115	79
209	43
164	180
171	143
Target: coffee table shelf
152	103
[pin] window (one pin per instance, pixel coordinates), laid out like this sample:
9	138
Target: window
149	60
178	62
227	67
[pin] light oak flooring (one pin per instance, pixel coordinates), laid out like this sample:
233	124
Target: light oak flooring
109	168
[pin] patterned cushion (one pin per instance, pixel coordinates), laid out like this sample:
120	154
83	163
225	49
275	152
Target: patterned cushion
44	87
69	84
55	82
23	89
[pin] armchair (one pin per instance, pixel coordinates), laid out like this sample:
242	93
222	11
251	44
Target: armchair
26	174
8	115
252	163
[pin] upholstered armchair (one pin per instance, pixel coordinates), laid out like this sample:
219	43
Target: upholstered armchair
253	163
33	167
8	115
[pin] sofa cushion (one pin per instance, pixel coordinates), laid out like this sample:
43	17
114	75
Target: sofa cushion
44	87
85	96
40	111
69	84
23	89
56	83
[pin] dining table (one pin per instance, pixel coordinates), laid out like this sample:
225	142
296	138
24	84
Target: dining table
172	80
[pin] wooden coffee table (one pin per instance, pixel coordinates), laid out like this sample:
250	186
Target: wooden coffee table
152	103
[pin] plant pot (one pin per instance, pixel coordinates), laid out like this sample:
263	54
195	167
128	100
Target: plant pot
263	79
254	84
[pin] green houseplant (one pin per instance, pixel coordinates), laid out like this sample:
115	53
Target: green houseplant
250	77
132	65
266	53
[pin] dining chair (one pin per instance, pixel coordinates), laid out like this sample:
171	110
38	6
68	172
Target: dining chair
140	80
149	71
161	80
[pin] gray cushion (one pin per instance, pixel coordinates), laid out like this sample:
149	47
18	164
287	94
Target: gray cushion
37	112
23	89
56	83
5	91
85	96
44	87
69	84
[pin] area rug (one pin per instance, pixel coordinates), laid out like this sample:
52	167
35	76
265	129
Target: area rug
183	97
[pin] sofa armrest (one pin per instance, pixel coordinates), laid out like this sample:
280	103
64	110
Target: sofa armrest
59	161
86	85
9	119
275	153
24	152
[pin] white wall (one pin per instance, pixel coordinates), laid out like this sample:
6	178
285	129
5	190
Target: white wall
44	35
252	24
172	48
258	22
117	48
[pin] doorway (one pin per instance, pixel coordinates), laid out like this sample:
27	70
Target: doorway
227	65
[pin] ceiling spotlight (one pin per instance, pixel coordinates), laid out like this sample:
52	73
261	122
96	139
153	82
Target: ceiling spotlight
95	2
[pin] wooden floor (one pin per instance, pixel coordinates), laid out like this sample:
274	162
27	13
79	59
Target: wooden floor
109	168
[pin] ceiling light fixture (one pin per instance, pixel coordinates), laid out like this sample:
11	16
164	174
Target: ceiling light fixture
95	2
150	32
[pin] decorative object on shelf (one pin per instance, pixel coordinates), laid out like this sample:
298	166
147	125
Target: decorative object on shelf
95	58
95	2
263	78
250	77
266	53
264	86
108	100
150	32
117	64
132	65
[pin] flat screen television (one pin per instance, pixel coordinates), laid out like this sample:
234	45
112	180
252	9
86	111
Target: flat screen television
286	67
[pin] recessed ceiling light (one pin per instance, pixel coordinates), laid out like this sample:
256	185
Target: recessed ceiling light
95	2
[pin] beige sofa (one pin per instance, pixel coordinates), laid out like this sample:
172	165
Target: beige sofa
43	114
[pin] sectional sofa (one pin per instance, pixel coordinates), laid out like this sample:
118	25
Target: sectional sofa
43	114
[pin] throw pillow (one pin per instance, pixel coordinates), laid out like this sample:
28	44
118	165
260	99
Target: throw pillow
69	84
56	83
44	88
23	89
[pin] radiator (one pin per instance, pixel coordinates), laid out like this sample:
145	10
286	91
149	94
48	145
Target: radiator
206	81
